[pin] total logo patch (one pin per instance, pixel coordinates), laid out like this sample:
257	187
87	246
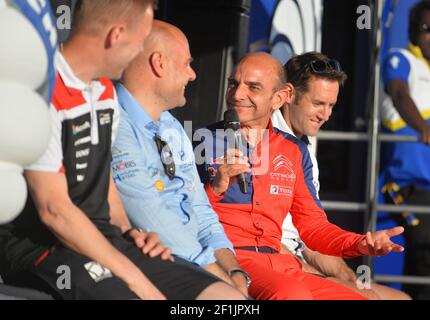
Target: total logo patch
281	191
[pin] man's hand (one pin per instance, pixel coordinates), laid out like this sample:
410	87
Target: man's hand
231	165
346	274
378	243
225	262
239	282
306	267
217	271
284	250
150	244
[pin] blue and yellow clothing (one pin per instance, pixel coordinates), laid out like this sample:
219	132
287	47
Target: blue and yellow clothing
406	163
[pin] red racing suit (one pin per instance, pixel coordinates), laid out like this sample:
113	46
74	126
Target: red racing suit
255	219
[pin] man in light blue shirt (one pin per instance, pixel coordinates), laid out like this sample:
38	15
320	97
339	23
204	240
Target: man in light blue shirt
153	160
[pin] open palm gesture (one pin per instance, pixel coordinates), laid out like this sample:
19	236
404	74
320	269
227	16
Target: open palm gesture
379	243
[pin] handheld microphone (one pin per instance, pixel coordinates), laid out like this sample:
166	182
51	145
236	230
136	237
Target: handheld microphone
232	126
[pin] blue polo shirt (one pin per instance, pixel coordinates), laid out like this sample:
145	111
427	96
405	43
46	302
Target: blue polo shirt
177	209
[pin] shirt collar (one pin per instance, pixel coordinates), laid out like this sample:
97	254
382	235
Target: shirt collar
279	122
71	81
138	114
66	73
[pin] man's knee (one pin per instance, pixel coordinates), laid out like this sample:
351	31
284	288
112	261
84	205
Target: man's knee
387	293
370	294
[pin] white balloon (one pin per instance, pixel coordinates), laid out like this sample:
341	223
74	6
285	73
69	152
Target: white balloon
13	192
25	124
23	56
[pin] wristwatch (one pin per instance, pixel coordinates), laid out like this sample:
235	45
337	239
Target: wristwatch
126	235
244	273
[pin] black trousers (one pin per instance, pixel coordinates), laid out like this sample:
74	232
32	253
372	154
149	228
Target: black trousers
417	240
179	280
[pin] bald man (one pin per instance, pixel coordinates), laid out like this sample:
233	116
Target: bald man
153	160
278	172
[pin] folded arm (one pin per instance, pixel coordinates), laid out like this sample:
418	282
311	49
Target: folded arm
75	231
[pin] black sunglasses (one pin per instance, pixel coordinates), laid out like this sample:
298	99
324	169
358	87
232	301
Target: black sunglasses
166	157
318	67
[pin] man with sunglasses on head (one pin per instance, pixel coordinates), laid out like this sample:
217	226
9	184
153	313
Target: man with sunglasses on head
278	174
154	166
405	165
316	81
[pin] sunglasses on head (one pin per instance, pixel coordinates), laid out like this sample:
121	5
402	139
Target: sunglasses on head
166	156
318	67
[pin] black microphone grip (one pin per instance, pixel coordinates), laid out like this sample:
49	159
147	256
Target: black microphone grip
232	123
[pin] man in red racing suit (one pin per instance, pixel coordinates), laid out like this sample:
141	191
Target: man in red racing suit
278	174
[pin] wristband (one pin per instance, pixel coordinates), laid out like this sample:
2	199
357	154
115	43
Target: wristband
126	234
